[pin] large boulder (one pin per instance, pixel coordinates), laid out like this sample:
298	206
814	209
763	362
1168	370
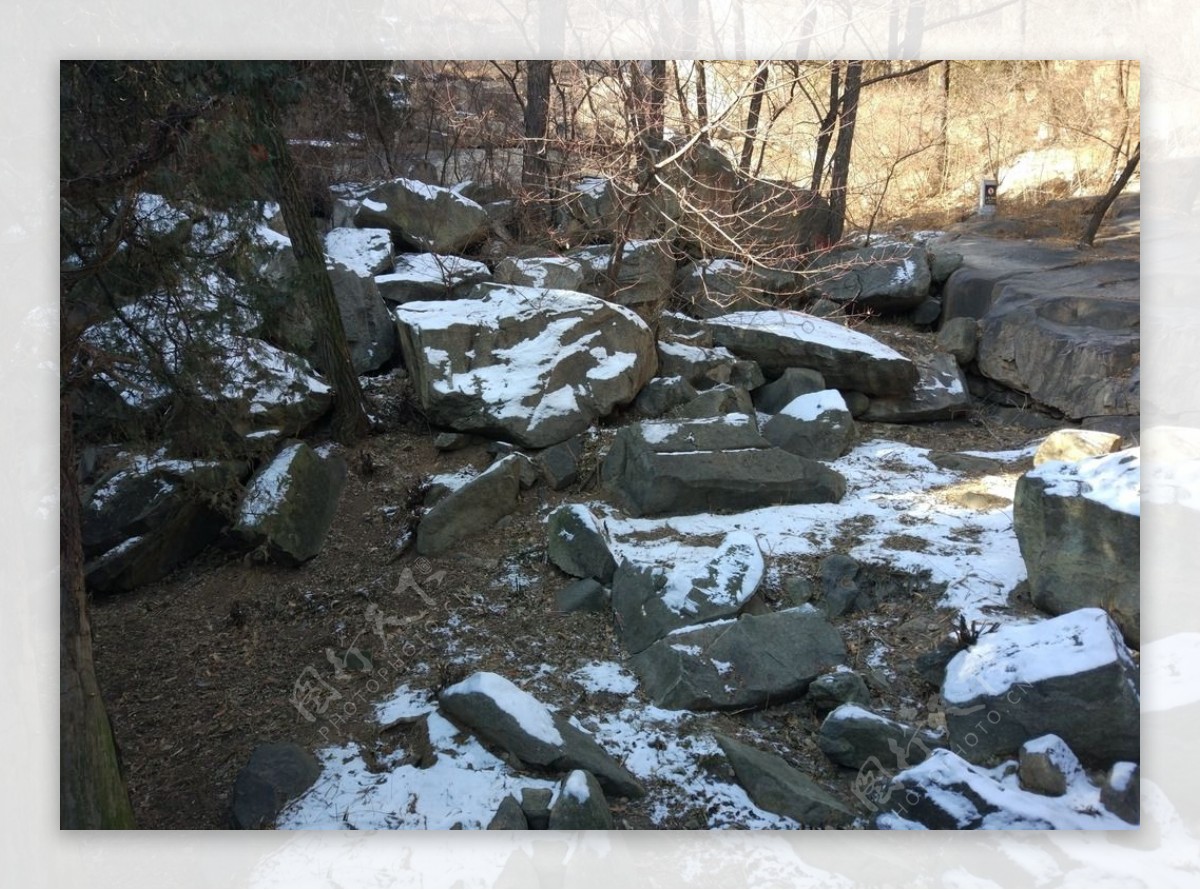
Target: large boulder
428	217
370	329
742	663
651	601
644	274
1071	676
891	277
429	276
577	545
1069	338
1078	525
717	286
501	713
719	464
365	252
848	360
472	507
779	221
940	394
778	787
970	290
523	364
851	735
557	273
290	504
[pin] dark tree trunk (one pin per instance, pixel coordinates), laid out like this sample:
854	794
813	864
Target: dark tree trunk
91	790
656	115
702	101
535	168
756	100
839	175
1093	225
825	134
350	422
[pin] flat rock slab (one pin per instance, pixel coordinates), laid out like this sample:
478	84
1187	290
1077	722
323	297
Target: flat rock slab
522	364
1071	676
499	712
714	465
777	786
779	339
968	292
429	276
651	601
740	663
1078	524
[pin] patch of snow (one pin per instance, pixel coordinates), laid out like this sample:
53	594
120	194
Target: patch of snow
403	703
1078	641
532	716
729	576
1122	775
1113	480
364	252
576	786
268	489
813	405
605	676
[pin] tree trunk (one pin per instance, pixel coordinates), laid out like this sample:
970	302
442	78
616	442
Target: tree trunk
825	134
535	169
839	175
350	422
91	790
1093	226
702	102
656	116
756	100
941	147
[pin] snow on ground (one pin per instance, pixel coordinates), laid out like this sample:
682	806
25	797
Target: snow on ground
893	501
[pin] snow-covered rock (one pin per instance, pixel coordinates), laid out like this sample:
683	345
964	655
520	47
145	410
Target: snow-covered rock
428	217
370	329
722	464
1078	524
365	252
717	286
772	397
557	273
501	713
817	425
779	339
650	601
742	663
577	545
887	277
580	805
940	394
1071	676
851	735
523	364
1047	765
290	503
429	276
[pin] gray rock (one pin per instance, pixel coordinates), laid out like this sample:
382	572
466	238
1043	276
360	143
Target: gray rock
857	403
886	277
1078	526
663	394
577	545
823	308
370	330
532	366
851	736
557	273
428	217
714	287
1071	676
644	275
969	291
1069	338
964	463
1073	445
740	663
580	805
700	366
559	464
716	401
509	816
959	337
799	590
817	426
927	314
794	382
453	441
535	804
940	394
277	773
472	508
843	686
777	786
1121	792
584	595
429	276
500	713
675	327
290	504
660	467
848	360
746	374
943	264
839	584
1046	765
649	602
